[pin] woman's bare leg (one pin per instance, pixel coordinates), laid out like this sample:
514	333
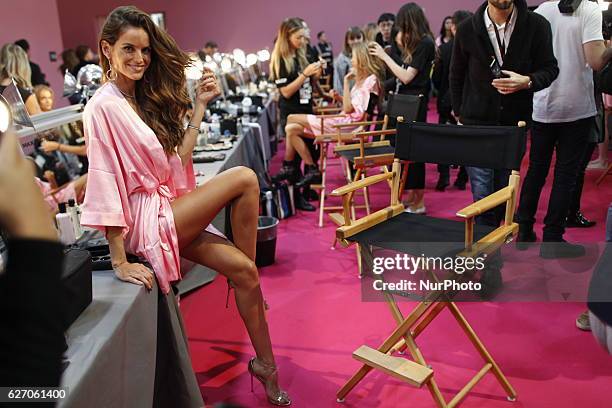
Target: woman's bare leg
194	211
296	126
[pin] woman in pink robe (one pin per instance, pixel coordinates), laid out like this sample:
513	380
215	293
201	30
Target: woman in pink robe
141	188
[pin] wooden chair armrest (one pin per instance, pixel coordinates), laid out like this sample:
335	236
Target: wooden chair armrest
487	203
355	146
368	221
359	184
375	133
334	138
364	123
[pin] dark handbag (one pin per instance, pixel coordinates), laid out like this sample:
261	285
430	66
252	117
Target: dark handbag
76	284
278	201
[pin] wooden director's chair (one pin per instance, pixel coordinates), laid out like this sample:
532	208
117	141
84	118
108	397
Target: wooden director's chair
324	140
380	153
480	146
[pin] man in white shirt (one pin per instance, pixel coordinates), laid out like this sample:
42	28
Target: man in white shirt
562	118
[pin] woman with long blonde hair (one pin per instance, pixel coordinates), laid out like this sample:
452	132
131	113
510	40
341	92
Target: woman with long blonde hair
367	72
141	187
14	64
294	78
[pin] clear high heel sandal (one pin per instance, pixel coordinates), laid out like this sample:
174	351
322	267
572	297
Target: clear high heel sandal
267	375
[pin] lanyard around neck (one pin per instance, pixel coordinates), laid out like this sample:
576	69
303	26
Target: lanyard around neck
501	42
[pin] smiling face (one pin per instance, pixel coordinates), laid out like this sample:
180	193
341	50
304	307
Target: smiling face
501	4
130	56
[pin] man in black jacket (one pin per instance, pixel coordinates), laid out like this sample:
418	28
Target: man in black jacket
501	56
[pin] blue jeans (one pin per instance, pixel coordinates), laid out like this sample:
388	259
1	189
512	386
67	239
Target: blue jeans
485	182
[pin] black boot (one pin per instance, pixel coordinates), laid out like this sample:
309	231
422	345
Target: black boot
561	249
301	203
578	220
312	175
288	172
442	183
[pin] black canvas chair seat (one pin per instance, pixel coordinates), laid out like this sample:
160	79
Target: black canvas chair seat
415	234
369	151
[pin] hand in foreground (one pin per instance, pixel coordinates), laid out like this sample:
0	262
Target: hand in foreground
135	273
25	214
513	83
208	87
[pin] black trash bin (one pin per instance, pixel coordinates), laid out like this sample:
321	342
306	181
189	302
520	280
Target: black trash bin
266	240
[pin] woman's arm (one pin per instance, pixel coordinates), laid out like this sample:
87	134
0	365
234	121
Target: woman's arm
347	106
49	146
404	75
207	90
289	90
129	272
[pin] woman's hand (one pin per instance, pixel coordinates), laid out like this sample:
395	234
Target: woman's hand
208	87
49	146
335	95
375	49
135	273
350	75
312	69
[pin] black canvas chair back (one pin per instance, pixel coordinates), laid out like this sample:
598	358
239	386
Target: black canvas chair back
491	147
373	106
407	106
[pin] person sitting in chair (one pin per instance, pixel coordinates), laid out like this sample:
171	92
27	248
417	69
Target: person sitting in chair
367	72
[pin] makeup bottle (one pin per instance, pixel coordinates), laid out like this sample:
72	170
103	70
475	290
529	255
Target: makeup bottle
64	225
74	211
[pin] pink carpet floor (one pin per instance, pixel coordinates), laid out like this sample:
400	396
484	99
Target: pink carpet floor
317	320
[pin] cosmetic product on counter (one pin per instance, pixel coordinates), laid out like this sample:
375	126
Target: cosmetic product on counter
65	226
75	214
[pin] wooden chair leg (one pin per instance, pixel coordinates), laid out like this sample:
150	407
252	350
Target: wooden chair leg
471	334
366	196
359	262
323	182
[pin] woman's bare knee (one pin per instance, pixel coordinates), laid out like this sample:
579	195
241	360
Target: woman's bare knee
247	177
246	275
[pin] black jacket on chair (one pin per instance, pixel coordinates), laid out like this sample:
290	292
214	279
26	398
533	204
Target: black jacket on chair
530	52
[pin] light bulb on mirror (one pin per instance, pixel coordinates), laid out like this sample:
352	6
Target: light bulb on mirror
239	56
251	60
194	70
263	55
217	57
226	65
5	115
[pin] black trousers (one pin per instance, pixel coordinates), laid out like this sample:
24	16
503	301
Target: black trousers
584	161
569	140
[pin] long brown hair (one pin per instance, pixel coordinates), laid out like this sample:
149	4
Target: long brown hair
70	61
283	52
161	94
413	25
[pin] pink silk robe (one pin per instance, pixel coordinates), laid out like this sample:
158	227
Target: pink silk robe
62	196
131	182
360	98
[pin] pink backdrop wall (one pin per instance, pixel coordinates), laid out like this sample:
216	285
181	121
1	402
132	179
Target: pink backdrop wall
38	22
250	25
